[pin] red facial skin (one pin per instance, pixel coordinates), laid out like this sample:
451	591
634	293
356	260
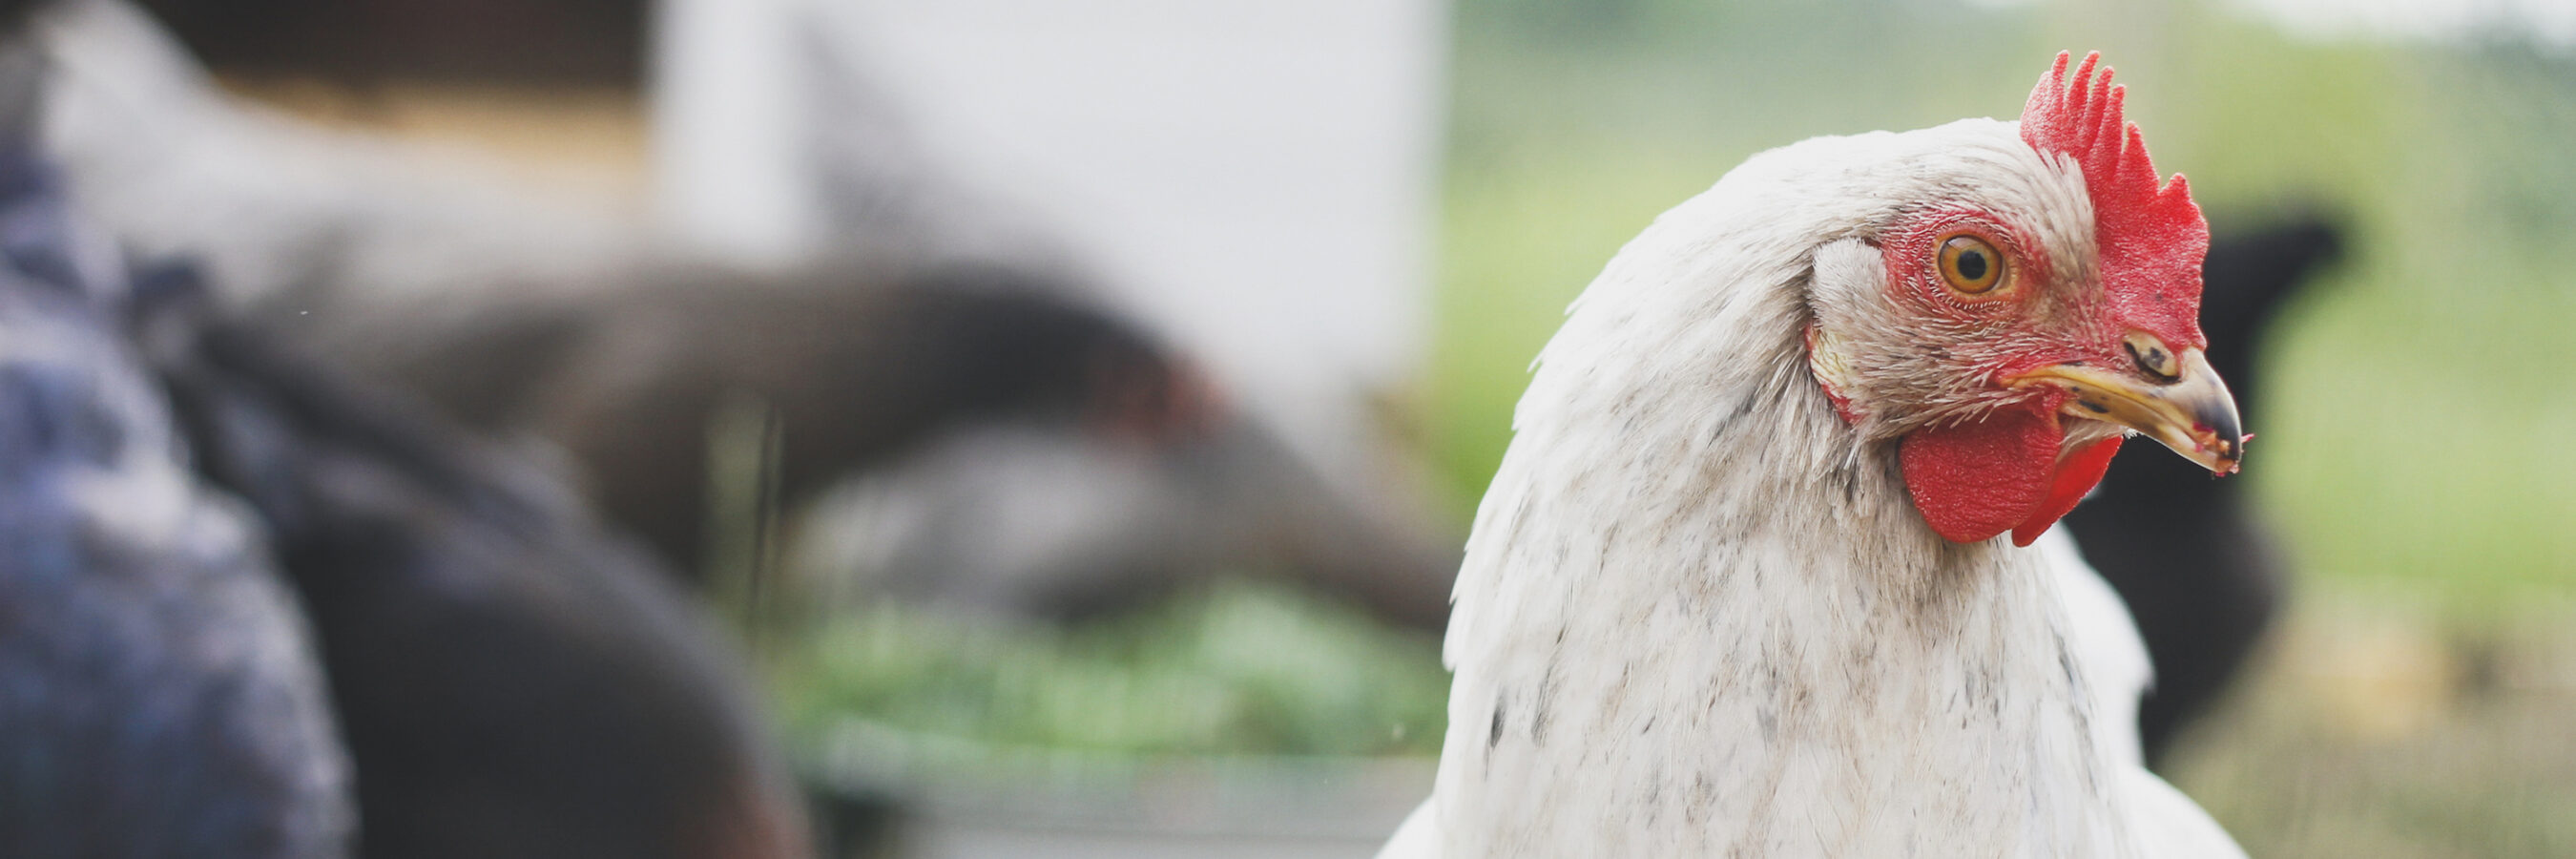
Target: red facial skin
2009	470
2077	474
1974	481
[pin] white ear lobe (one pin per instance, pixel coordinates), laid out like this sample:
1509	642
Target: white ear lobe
1849	292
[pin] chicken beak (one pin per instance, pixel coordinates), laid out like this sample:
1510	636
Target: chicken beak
2191	413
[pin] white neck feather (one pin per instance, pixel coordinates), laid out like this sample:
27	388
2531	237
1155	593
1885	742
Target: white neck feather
1699	617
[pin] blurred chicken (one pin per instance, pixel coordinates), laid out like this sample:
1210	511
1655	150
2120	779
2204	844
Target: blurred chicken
854	365
1047	457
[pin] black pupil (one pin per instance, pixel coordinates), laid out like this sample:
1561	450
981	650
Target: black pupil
1972	265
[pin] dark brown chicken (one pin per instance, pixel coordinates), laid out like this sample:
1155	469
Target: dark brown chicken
852	365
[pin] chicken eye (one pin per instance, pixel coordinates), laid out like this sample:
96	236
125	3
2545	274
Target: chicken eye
1972	266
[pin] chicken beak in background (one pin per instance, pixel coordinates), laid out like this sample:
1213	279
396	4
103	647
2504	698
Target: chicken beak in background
2188	409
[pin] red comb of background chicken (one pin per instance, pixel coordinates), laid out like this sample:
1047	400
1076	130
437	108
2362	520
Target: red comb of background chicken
2151	237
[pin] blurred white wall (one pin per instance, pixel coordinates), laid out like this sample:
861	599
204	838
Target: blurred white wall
1255	175
728	127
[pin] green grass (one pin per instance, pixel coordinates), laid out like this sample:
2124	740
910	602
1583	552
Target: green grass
1234	670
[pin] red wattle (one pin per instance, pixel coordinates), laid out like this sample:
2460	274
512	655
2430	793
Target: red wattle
2076	476
1974	481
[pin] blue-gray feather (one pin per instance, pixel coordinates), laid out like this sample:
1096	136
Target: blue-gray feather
158	696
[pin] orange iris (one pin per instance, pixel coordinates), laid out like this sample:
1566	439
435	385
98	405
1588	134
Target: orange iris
1971	265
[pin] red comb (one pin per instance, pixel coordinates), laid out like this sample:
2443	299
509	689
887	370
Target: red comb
2152	238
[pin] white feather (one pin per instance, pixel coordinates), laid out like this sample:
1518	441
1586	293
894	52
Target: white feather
1699	615
2107	640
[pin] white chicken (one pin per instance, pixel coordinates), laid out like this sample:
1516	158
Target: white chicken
1737	588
